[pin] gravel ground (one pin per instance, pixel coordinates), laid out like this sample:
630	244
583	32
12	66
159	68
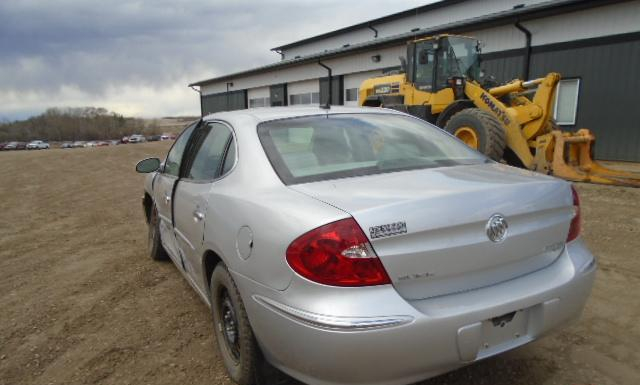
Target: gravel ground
81	303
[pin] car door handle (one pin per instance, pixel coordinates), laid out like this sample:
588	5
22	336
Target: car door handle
198	215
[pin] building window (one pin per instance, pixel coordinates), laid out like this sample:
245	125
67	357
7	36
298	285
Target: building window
259	102
306	98
351	95
566	106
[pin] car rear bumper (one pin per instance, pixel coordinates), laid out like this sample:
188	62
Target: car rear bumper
326	335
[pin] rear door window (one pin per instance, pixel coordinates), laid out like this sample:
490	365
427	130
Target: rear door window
174	158
211	151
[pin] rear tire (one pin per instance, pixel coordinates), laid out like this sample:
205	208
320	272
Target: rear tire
477	127
156	250
236	342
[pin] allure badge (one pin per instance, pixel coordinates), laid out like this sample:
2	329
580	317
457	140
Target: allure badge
388	230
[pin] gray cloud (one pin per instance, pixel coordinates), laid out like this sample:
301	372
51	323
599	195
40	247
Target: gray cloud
97	46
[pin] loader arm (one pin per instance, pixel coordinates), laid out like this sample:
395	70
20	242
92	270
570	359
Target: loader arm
533	115
508	116
541	110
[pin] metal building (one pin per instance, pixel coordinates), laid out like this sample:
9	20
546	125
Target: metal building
594	44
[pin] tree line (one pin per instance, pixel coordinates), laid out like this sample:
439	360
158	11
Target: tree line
82	123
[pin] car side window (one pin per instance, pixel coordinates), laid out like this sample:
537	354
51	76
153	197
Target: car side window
174	158
230	158
209	159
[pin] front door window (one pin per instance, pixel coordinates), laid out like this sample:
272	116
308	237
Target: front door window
174	158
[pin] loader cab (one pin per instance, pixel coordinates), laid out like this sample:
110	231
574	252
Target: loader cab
433	61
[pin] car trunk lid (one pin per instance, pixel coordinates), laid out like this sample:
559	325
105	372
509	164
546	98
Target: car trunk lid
429	227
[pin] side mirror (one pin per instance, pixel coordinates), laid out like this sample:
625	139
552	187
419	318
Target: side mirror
148	165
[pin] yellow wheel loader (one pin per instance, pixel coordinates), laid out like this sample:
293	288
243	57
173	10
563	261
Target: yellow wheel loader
440	82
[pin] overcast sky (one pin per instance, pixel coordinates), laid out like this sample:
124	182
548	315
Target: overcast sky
137	57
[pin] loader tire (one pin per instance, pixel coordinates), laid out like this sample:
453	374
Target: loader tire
479	130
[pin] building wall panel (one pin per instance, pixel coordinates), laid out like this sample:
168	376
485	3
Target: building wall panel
433	18
565	27
303	87
503	69
312	71
453	13
234	100
607	98
608	20
259	92
608	83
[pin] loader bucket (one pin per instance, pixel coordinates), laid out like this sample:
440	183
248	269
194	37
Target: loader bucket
572	161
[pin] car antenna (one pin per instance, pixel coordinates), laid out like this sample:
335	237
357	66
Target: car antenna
328	105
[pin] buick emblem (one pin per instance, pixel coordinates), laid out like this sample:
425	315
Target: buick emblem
497	228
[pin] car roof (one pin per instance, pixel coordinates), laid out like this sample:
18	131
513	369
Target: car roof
260	115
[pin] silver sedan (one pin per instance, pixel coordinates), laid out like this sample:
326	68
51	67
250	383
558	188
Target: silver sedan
362	246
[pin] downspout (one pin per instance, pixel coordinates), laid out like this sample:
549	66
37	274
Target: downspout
374	31
527	55
328	105
229	84
199	93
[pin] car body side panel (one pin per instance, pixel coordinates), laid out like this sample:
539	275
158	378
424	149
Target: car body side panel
275	217
163	197
275	214
190	207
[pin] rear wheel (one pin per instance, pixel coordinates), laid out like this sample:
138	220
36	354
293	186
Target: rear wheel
156	250
479	130
236	342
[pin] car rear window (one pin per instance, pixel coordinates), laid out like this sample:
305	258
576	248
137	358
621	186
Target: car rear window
322	147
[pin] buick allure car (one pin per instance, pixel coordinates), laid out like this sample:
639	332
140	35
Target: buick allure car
362	246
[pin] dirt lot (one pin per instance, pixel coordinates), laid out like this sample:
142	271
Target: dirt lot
81	303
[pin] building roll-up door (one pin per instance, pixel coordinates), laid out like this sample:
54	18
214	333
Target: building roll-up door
278	95
337	90
224	101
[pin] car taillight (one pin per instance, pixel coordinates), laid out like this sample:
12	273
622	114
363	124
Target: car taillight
337	254
574	228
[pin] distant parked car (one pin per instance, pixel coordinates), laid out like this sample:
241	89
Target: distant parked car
125	139
137	139
15	146
164	137
37	145
78	143
90	144
66	145
101	143
114	142
2	145
153	138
